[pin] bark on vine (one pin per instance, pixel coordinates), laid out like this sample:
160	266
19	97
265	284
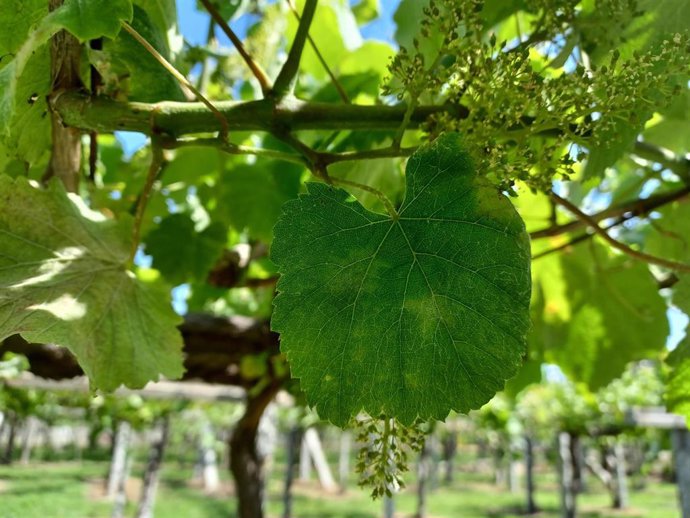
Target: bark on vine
65	62
246	463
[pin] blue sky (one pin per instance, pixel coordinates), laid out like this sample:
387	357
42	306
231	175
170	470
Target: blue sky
194	24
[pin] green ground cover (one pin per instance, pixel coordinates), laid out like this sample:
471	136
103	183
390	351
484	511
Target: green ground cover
75	490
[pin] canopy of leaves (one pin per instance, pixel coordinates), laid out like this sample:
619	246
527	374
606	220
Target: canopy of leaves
555	406
639	386
412	314
64	280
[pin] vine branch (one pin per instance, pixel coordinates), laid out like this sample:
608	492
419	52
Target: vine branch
324	158
285	82
369	154
636	254
637	207
255	68
233	149
578	239
100	113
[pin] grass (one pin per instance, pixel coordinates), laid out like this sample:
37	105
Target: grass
74	490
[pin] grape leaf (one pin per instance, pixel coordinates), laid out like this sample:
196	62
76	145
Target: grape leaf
163	16
251	196
16	19
671	233
85	19
673	134
612	145
410	316
128	67
617	315
30	128
670	238
28	139
181	253
406	18
63	280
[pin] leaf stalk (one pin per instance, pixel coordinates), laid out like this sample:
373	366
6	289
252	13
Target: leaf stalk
157	161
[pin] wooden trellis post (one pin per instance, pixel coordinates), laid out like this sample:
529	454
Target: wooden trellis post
654	417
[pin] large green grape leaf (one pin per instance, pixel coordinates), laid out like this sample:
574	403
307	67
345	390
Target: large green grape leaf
669	133
409	29
670	239
536	211
64	280
631	29
407	17
661	19
410	316
495	11
28	138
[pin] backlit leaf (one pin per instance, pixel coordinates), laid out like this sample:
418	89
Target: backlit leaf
617	315
64	280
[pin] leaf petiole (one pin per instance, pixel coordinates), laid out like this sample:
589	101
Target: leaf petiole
157	160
